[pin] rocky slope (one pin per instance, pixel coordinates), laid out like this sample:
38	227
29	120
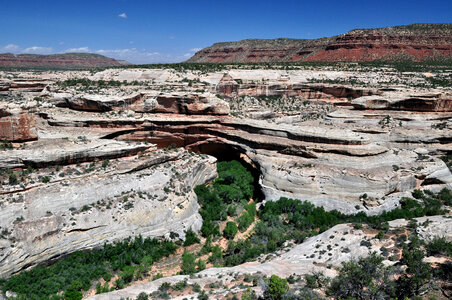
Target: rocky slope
322	253
417	42
66	61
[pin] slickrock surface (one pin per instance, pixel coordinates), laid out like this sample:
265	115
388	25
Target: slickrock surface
151	194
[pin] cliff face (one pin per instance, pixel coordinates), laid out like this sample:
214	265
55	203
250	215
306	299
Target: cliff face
67	60
417	42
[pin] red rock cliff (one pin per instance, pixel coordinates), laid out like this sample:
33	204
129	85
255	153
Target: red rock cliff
417	42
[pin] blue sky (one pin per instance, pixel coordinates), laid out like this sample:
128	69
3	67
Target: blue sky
171	31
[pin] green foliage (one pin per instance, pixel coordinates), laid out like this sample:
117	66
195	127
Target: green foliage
233	185
200	265
191	238
289	219
251	209
85	82
5	145
216	257
366	278
13	179
316	280
245	221
445	196
78	270
439	246
230	230
188	263
142	296
232	210
105	163
249	294
276	288
417	273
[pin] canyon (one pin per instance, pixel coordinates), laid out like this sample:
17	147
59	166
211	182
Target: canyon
96	164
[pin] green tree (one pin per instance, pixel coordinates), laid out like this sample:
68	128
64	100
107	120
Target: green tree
230	230
366	278
245	221
188	263
276	288
142	296
190	238
418	272
12	179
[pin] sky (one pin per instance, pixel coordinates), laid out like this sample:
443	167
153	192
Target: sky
169	31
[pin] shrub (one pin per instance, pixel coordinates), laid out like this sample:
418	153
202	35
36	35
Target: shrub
105	163
142	296
417	272
276	287
13	179
188	263
191	238
439	246
230	230
217	255
200	265
245	221
366	278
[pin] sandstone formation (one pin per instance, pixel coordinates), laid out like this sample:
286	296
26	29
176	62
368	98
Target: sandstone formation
66	60
407	102
16	125
417	42
86	207
383	142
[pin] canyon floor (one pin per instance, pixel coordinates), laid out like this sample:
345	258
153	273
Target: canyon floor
93	157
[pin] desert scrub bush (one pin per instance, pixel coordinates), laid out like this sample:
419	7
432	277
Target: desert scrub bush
191	238
366	278
188	263
276	287
439	246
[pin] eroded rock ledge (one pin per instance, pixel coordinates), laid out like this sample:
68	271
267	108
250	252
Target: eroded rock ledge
150	194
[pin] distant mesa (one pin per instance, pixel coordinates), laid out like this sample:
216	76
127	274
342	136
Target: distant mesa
66	60
418	42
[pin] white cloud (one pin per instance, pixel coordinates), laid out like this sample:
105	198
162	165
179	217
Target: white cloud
10	48
81	49
188	54
38	50
195	49
123	15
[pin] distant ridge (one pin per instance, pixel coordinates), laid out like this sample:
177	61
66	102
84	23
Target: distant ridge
66	60
417	42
